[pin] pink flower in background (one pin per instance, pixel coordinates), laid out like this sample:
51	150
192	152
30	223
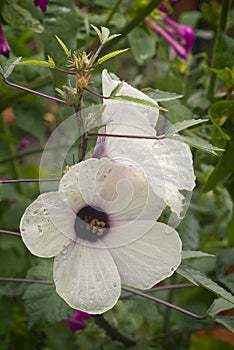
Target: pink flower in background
4	46
24	143
76	323
42	4
184	33
180	37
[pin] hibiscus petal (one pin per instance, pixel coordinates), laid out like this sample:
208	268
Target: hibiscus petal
47	225
70	188
87	278
108	84
175	158
150	259
167	166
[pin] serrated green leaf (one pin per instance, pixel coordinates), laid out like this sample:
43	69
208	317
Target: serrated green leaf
218	306
116	89
64	47
110	55
199	279
189	254
197	143
44	306
20	18
159	95
137	100
175	128
10	65
38	63
97	31
104	34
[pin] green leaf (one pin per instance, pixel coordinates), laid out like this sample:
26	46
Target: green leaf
98	32
137	100
44	306
218	306
42	303
20	18
175	128
177	111
226	74
199	279
159	95
64	47
60	19
224	51
197	143
223	170
112	37
105	34
49	64
219	113
116	89
226	321
189	254
142	44
110	55
9	66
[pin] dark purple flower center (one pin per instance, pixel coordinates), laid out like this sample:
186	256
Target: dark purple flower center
91	223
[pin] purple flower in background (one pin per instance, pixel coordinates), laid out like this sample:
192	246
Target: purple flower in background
24	143
42	4
76	323
4	46
184	33
180	37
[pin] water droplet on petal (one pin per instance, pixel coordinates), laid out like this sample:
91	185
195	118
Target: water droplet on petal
35	212
40	230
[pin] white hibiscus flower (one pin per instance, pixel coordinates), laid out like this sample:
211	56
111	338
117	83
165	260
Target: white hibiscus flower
101	228
167	163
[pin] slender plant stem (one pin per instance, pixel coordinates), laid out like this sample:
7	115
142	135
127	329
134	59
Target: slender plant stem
127	289
225	6
13	95
25	280
13	233
165	303
159	137
29	180
166	323
11	151
161	288
34	92
111	14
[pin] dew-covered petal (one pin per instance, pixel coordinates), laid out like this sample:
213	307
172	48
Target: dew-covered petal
87	278
110	82
47	225
70	186
150	259
175	158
